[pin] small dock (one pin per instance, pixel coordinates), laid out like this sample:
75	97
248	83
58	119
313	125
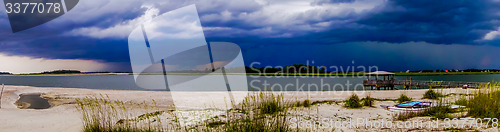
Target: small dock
387	81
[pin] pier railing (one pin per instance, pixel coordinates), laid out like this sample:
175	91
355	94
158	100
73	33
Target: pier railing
416	83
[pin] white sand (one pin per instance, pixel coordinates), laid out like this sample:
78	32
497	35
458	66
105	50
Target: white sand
65	117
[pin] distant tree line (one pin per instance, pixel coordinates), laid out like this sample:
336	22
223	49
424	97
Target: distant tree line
5	73
62	72
456	70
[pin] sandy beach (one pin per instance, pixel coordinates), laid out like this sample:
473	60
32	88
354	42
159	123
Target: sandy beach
63	115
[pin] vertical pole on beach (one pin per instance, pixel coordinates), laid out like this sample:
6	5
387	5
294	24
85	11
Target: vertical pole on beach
1	93
169	96
151	56
231	96
223	69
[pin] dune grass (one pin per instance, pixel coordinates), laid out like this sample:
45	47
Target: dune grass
104	115
486	102
368	101
262	111
307	103
265	111
353	102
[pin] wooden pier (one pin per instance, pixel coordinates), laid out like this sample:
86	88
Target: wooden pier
388	82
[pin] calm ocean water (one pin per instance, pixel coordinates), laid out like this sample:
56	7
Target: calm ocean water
126	82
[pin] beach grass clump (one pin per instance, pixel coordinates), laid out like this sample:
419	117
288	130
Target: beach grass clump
431	94
353	102
368	101
265	112
268	103
486	103
104	115
403	98
307	103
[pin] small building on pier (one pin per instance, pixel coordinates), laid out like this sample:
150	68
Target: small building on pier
386	80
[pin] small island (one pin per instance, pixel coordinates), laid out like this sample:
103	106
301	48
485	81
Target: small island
62	72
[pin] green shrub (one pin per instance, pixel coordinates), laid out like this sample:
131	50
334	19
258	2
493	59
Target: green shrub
403	98
298	104
307	103
431	94
368	101
353	102
270	103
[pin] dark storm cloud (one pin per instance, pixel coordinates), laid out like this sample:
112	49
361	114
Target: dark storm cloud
396	21
386	56
441	22
260	27
70	48
51	40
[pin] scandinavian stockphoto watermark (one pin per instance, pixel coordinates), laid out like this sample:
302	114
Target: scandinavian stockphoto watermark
365	123
361	123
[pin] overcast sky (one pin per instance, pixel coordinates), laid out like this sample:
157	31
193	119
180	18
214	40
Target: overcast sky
395	35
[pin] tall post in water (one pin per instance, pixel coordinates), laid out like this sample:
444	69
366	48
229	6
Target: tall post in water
411	79
406	84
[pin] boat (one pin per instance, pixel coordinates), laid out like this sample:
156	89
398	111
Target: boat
416	106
